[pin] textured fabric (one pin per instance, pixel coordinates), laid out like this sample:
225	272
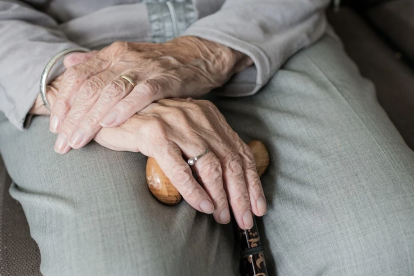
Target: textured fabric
167	24
19	254
393	78
30	37
275	31
98	29
340	188
395	19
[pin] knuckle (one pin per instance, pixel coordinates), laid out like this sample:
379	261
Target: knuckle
209	107
249	160
192	192
127	105
176	114
91	121
234	163
150	88
158	130
207	103
170	60
220	200
73	72
256	186
119	46
116	88
195	107
212	171
181	173
90	88
69	124
241	200
60	106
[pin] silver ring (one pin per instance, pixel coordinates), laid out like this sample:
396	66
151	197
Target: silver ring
192	161
45	74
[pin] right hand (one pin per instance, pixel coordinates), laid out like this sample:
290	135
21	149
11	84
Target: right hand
170	128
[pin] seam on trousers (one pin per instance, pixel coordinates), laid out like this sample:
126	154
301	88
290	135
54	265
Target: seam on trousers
169	19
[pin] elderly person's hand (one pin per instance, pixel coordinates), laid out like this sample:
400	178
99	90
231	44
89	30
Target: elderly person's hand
168	129
96	93
52	89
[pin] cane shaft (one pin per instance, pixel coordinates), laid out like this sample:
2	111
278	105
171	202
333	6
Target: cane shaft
252	252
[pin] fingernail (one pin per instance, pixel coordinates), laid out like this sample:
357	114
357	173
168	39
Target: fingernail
225	216
61	143
206	206
248	219
261	205
76	137
66	149
54	123
109	119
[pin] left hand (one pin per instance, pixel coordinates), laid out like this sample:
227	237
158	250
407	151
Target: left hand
169	129
52	89
93	94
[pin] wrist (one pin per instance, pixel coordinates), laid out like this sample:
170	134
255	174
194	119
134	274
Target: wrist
38	107
218	60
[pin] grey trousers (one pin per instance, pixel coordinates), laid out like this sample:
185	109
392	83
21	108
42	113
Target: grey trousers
340	188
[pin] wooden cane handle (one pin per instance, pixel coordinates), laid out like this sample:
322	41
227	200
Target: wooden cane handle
162	189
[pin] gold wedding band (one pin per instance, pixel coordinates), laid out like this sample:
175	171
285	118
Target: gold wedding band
128	79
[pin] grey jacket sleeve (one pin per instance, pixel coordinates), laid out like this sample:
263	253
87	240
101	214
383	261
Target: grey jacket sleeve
269	31
28	39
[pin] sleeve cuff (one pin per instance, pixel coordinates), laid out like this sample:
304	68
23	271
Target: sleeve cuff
21	117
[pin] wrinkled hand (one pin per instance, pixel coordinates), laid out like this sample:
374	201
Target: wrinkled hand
92	94
168	129
52	89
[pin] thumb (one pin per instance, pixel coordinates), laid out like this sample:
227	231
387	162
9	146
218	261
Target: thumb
121	138
76	58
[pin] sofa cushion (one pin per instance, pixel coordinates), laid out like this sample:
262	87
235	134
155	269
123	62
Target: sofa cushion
395	20
393	78
19	254
362	3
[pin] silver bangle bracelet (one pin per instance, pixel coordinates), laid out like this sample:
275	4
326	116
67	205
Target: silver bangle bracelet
45	74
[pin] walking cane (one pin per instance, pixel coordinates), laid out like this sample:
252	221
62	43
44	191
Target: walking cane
252	254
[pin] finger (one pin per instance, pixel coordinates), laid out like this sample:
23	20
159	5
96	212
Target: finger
77	57
123	137
72	80
254	185
86	98
236	188
209	172
142	95
179	173
145	133
89	125
251	177
232	168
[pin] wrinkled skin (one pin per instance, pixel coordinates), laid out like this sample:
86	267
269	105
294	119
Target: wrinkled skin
168	129
92	94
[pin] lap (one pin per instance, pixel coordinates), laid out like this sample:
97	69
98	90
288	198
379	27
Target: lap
91	213
340	187
341	180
